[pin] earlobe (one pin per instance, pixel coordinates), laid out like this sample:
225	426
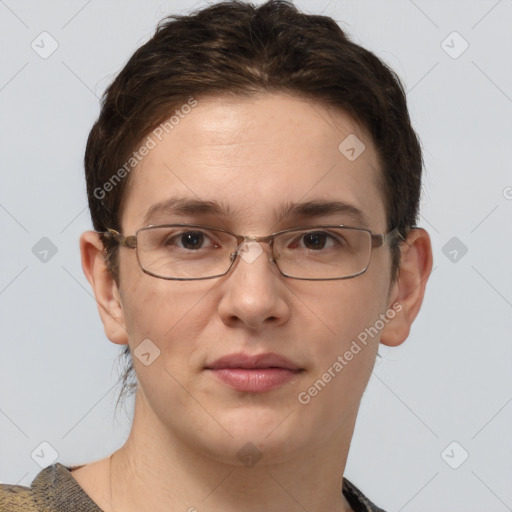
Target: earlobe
409	289
104	287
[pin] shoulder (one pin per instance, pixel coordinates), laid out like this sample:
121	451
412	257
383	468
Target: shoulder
357	500
52	490
16	498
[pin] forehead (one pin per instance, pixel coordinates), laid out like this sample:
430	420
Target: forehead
255	157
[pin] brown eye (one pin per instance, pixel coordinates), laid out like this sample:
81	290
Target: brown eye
317	240
192	240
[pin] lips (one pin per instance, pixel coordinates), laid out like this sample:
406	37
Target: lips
261	361
255	374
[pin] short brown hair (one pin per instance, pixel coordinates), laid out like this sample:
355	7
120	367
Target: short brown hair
237	48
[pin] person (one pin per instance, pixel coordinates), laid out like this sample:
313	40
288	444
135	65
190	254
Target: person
253	182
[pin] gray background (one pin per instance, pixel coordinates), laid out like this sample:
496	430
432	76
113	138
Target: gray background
451	381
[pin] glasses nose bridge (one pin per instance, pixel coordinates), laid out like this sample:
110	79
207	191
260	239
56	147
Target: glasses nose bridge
243	239
267	239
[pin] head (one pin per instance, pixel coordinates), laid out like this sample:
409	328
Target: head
248	108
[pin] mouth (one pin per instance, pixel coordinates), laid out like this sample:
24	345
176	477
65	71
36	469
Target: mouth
254	374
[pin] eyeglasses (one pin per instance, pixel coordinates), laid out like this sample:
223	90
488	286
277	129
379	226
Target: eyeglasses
190	252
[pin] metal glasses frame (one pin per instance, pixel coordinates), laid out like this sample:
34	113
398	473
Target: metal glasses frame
377	240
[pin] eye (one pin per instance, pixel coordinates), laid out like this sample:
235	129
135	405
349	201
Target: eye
192	240
317	240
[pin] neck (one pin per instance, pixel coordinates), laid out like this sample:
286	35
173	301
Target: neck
155	471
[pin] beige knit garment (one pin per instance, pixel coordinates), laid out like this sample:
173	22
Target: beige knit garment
55	490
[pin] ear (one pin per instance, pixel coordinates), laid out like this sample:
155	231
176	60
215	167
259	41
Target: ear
104	287
406	295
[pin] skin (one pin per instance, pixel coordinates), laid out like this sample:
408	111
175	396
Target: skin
252	155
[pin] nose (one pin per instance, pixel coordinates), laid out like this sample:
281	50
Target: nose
254	294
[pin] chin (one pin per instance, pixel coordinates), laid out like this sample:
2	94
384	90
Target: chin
258	437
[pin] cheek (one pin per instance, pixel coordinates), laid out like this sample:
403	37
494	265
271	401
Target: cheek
343	347
348	324
174	319
163	311
144	297
347	307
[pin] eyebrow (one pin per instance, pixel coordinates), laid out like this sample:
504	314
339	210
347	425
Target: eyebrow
186	206
314	208
319	207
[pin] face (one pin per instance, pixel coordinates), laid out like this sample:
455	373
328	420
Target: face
255	158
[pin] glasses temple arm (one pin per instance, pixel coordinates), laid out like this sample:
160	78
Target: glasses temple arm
125	241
